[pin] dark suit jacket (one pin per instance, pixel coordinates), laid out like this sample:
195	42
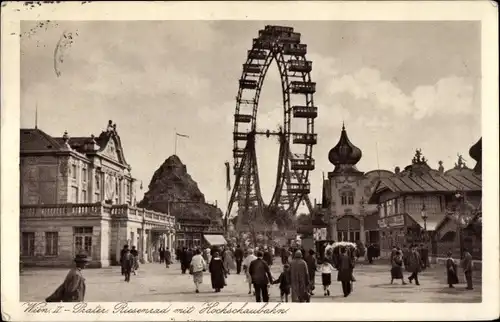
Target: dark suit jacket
259	270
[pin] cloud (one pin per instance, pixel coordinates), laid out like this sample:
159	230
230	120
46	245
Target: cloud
451	95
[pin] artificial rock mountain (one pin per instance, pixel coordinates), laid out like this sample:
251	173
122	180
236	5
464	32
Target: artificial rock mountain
172	184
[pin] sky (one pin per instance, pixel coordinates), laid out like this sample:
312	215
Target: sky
398	86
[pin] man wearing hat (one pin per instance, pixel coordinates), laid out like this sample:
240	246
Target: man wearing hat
73	287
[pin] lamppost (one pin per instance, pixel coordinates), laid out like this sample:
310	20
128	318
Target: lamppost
424	216
460	199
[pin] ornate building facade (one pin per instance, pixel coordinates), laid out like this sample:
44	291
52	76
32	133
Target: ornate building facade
78	193
346	191
418	205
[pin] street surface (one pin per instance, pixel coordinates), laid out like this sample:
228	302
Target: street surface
155	283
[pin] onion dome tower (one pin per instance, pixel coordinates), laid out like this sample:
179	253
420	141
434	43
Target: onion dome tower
476	152
345	155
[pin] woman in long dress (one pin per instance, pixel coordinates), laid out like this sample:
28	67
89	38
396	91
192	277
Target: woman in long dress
217	272
299	278
397	267
451	271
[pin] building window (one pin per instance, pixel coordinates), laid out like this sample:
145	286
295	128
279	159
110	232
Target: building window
347	198
73	171
84	196
82	238
117	190
28	244
51	243
84	174
391	207
74	194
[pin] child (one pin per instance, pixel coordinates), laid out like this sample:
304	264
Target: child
326	276
284	282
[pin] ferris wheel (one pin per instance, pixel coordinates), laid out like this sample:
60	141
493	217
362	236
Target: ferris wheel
295	161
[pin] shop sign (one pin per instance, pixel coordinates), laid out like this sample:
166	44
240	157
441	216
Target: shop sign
395	221
382	223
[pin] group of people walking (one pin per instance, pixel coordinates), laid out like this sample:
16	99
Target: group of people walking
129	261
296	281
415	259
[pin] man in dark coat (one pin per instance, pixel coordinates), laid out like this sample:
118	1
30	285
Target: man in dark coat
161	252
73	288
414	265
261	277
267	257
217	272
122	253
345	268
128	263
311	267
238	255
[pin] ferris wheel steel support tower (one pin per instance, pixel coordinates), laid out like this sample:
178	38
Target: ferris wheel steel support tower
282	45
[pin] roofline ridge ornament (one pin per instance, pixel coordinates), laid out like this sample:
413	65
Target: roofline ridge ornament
66	138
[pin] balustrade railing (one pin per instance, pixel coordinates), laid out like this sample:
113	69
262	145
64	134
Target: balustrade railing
95	209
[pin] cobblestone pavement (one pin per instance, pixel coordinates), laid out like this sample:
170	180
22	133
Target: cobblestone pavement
155	283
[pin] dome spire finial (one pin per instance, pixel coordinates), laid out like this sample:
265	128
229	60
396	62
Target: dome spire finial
344	155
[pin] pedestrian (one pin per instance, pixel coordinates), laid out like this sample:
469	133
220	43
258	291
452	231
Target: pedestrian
467	267
184	260
168	257
122	253
246	265
197	267
326	276
261	278
414	265
228	260
369	253
135	255
266	256
161	252
73	287
217	272
451	271
128	264
299	278
238	255
397	267
406	256
284	282
345	268
311	267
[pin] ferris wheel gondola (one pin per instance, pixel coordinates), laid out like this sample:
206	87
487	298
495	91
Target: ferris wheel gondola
281	45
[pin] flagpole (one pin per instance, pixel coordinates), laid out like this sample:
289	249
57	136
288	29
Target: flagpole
175	139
